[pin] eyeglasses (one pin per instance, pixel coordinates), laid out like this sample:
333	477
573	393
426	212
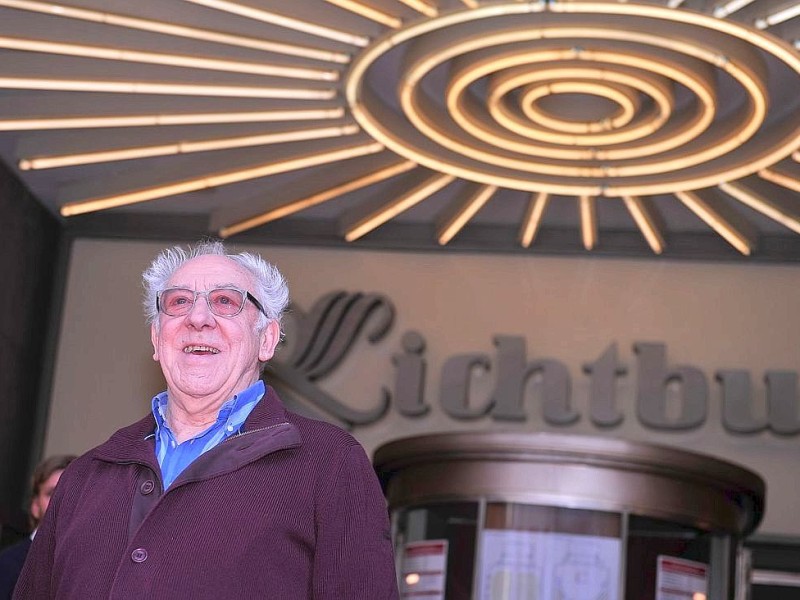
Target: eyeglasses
222	301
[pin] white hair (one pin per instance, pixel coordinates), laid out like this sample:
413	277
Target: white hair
270	286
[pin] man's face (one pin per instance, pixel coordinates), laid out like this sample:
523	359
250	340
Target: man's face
41	500
204	356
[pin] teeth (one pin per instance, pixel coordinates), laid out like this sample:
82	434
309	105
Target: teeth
190	349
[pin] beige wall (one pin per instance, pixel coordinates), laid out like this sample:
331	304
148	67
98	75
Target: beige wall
712	316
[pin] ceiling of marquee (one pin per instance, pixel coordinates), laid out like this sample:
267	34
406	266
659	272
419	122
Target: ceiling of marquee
665	129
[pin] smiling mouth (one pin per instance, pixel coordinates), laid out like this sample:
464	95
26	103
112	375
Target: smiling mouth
200	350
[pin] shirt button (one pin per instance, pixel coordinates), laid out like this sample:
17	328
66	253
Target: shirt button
139	555
147	487
230	428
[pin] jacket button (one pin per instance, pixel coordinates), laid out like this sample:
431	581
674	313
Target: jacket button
147	487
139	555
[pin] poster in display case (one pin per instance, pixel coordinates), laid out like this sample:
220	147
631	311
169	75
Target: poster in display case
679	579
423	570
531	565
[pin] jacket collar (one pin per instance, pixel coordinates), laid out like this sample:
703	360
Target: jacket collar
265	430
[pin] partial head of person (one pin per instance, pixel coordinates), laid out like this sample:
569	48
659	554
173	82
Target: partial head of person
43	484
215	318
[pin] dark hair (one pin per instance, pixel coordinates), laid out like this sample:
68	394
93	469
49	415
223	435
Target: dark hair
45	469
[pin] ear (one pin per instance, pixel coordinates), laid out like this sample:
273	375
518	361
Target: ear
36	509
154	341
269	341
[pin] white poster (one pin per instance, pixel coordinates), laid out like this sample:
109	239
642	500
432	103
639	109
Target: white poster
531	565
424	569
681	579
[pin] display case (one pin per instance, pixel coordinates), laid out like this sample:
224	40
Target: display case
509	516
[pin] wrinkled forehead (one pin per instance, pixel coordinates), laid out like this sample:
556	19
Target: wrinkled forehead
207	272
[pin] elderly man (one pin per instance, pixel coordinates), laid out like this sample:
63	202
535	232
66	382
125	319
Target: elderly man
220	492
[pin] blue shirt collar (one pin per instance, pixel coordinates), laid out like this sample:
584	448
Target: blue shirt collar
235	411
173	458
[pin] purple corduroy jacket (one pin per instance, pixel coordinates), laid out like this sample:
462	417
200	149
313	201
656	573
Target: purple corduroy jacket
291	509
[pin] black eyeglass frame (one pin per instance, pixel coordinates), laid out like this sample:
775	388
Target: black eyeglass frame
247	295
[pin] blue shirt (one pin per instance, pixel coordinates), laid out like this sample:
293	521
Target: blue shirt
173	457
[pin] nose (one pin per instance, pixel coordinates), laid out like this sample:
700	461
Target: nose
200	315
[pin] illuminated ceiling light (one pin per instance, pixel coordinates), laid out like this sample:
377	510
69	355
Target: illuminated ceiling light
284	21
167	59
210	181
796	155
716	221
470	3
770	208
400	204
71	160
675	3
461	81
502	85
626	100
467	210
362	109
422	6
701	89
782	179
368	12
731	7
176	30
266	116
588	210
746	128
294	206
645	219
178	89
533	218
790	12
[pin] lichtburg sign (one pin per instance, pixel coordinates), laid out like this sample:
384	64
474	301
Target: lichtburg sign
323	337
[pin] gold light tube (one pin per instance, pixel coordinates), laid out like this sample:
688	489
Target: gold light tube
790	12
284	21
266	116
468	210
400	204
796	155
71	160
94	16
368	12
470	3
294	206
714	220
646	222
729	8
782	179
533	218
178	89
173	60
774	46
588	210
626	100
191	185
422	7
761	204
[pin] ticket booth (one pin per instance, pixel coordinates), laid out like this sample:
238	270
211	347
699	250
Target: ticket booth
517	516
